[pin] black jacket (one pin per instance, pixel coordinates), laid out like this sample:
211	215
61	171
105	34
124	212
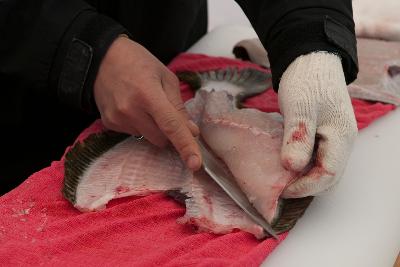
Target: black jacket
50	51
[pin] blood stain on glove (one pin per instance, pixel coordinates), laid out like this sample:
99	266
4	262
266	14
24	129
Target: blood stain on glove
300	134
319	171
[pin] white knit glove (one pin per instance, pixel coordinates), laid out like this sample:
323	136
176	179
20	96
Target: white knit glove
316	106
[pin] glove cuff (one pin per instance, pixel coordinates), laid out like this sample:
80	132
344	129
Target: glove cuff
315	67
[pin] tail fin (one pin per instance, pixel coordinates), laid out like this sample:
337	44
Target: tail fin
240	83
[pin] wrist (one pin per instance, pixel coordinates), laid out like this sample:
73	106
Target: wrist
319	66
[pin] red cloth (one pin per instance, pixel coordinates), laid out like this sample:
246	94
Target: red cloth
39	227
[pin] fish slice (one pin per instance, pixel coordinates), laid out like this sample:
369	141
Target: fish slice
227	182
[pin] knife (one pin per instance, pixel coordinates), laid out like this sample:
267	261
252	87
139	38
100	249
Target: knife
227	182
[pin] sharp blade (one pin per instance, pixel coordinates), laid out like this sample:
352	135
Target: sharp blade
227	182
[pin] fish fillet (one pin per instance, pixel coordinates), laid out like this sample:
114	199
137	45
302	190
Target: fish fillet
248	141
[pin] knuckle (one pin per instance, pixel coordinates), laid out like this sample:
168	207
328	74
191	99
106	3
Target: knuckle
123	105
123	108
109	122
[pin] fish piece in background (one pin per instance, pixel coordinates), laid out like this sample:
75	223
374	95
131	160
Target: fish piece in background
379	68
377	19
379	75
252	50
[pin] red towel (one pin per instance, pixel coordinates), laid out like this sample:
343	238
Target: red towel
39	227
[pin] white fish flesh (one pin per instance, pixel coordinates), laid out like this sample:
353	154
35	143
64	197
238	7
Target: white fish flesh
108	165
248	141
379	74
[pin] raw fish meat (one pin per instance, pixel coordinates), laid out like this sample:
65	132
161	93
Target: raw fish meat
111	165
248	141
137	168
211	210
379	75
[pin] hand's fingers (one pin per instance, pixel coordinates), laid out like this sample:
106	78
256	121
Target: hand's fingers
298	141
332	155
300	119
170	84
173	125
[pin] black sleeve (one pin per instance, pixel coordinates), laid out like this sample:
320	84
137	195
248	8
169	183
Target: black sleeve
289	29
54	47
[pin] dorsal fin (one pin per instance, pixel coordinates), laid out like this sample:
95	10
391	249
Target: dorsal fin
82	154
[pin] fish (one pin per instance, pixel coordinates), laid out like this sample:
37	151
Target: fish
378	78
110	165
379	72
248	141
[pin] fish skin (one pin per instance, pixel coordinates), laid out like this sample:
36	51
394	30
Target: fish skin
130	168
138	168
375	81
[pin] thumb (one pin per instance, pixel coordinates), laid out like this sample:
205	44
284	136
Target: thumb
298	107
298	142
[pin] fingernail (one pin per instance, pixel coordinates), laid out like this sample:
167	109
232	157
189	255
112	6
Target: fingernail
193	162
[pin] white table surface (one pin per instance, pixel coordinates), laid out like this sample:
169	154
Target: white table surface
358	224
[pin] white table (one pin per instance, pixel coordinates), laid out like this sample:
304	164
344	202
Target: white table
358	224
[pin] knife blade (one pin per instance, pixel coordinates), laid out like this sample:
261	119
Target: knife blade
227	182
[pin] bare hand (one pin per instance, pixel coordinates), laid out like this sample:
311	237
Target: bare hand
136	94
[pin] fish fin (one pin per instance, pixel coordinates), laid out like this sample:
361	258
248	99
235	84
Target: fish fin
240	83
191	78
177	195
81	155
290	211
